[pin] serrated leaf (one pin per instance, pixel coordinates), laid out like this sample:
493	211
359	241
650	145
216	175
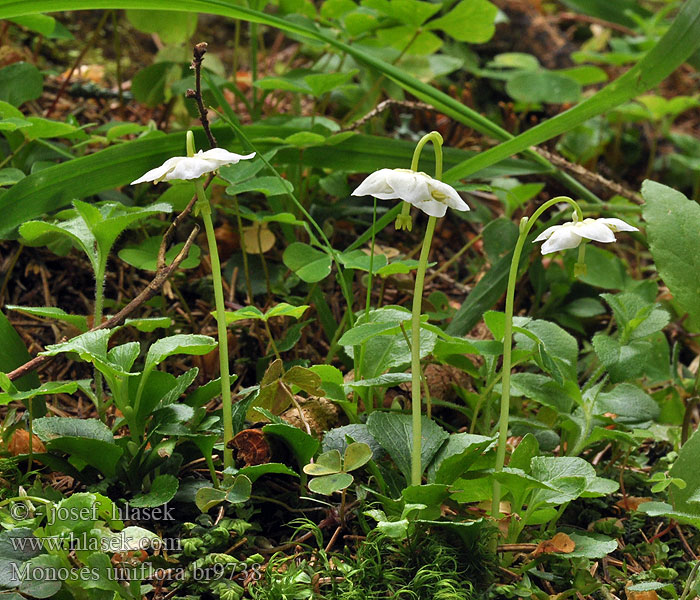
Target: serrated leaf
673	227
394	432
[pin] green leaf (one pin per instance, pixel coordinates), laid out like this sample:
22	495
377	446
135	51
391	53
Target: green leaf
558	344
305	139
46	128
116	166
591	545
45	25
209	497
48	388
386	351
536	87
542	389
357	259
303	446
305	379
149	324
329	484
243	314
472	21
240	490
622	361
51	312
253	472
388	379
356	432
270	186
10	175
20	82
14	552
686	468
356	455
171	26
674	237
49	428
567	478
145	255
678	43
13	354
456	456
286	310
163	490
322	83
309	264
394	432
361	333
326	464
631	405
194	345
37	585
97	453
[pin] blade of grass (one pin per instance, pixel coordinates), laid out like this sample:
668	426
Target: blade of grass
438	99
57	186
678	43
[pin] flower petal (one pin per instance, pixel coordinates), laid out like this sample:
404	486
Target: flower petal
594	230
410	186
223	157
547	233
376	185
617	225
562	239
159	173
452	197
433	208
191	167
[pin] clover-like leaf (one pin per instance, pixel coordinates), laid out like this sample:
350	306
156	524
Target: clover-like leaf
329	484
356	455
327	463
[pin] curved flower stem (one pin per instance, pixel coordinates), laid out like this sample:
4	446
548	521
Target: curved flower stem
205	209
526	225
416	466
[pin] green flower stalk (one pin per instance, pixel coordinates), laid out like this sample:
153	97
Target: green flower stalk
194	166
433	197
558	237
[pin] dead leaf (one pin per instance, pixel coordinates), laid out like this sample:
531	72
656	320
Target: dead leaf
559	543
226	240
631	502
648	595
252	447
19	443
258	239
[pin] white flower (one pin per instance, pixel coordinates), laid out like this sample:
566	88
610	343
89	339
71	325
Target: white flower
570	235
192	167
417	188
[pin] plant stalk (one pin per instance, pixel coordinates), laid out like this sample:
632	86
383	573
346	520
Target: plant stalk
416	466
526	225
227	410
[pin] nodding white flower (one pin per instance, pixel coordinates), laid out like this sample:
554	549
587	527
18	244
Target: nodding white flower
419	189
192	167
570	235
